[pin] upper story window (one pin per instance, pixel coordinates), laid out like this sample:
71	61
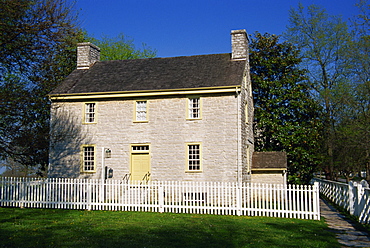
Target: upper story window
194	108
90	113
141	113
88	158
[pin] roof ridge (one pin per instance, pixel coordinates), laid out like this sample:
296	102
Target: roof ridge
175	57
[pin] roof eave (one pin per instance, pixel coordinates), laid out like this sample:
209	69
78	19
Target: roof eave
145	93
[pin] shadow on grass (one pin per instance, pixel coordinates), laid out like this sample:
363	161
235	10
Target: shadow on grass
73	228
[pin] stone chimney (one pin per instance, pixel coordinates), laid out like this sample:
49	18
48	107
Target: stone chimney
239	44
87	55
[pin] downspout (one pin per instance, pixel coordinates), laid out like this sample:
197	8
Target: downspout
102	174
238	173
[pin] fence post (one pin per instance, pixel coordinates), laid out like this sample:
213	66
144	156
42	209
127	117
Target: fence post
364	213
238	199
89	192
316	200
160	198
358	200
351	197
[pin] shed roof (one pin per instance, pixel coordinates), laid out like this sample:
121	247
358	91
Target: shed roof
187	72
269	161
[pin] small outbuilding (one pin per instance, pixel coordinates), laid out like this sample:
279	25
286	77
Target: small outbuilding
269	167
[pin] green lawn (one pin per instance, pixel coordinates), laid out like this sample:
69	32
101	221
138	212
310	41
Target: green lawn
74	228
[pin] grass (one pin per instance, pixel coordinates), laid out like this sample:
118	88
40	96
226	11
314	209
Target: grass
74	228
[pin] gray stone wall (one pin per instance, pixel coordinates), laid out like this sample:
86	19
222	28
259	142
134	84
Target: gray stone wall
167	131
246	110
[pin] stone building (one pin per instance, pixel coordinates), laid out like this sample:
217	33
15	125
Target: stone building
182	118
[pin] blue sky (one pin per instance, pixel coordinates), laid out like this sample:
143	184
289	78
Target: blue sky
192	27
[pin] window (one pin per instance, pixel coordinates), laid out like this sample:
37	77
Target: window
246	113
140	148
194	108
90	111
194	157
88	158
141	111
248	158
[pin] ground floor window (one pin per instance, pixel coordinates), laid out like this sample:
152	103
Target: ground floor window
88	158
194	157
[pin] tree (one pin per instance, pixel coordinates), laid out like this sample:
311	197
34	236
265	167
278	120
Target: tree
286	117
357	120
37	50
323	41
121	47
28	28
338	64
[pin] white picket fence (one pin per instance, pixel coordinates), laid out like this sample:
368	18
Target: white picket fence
222	198
354	197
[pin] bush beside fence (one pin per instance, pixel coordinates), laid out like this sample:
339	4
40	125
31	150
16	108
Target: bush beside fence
223	198
353	197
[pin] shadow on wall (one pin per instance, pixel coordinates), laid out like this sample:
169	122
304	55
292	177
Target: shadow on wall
66	137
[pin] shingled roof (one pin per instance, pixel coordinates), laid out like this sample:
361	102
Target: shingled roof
269	161
186	72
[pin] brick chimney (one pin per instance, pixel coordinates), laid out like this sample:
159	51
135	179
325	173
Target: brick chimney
87	55
239	44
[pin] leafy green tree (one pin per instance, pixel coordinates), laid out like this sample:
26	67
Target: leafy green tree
323	40
354	125
37	50
121	47
359	49
286	117
352	146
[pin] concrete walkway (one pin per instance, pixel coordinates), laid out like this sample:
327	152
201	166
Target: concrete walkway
346	232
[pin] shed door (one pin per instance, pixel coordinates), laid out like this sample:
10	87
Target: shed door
140	162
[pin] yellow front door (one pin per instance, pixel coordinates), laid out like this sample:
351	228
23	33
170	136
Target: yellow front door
140	166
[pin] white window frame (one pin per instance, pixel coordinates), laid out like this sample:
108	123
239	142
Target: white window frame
194	157
141	111
88	158
194	108
90	112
